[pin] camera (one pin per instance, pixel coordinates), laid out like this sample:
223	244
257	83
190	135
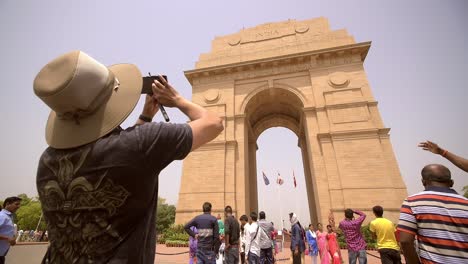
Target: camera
148	81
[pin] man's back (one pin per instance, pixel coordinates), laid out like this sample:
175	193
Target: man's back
385	231
99	199
267	229
352	231
208	230
439	218
232	228
253	239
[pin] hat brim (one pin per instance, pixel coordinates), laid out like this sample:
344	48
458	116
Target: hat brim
61	133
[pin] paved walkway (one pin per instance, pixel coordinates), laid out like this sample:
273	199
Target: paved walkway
283	256
32	254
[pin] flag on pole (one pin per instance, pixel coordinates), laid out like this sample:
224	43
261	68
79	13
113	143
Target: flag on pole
279	180
294	177
265	179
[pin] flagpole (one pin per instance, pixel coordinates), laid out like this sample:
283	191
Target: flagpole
298	206
38	223
281	213
263	199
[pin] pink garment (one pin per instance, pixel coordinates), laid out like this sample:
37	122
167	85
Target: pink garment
333	248
274	234
323	247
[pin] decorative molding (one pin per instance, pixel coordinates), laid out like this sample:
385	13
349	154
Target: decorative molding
216	145
211	96
278	120
342	55
347	105
262	88
352	134
338	79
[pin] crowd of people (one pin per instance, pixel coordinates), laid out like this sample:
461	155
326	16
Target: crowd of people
253	239
93	171
433	228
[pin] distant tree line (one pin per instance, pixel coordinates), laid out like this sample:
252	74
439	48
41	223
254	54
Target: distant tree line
28	215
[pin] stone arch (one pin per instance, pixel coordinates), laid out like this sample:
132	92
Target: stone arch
262	88
346	150
275	121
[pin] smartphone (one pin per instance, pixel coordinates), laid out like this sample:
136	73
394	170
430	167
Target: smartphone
148	81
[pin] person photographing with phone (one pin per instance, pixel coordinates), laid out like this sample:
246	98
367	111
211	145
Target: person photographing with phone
97	180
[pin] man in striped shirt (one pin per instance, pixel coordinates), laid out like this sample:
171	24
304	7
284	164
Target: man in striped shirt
438	216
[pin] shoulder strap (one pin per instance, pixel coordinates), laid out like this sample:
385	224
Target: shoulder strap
256	233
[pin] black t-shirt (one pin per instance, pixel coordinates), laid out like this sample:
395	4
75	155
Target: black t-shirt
232	228
99	200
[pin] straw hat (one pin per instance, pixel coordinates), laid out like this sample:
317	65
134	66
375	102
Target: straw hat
88	100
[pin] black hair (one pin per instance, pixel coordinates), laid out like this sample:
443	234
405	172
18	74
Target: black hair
228	209
207	207
261	215
349	213
378	210
254	216
11	200
244	217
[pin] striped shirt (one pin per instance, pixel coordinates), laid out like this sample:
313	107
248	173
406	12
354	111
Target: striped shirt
439	218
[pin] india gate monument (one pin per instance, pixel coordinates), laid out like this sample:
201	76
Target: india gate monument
303	76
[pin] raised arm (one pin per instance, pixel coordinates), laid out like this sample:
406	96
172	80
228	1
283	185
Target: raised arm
150	109
456	160
362	216
205	125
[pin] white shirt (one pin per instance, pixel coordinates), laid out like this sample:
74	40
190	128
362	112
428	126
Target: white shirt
252	245
243	237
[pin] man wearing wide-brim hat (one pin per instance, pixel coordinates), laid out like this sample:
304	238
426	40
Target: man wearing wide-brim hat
97	182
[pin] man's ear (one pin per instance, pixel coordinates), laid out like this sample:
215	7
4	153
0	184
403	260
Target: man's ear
424	182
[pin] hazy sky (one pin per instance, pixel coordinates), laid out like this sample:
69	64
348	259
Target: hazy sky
417	68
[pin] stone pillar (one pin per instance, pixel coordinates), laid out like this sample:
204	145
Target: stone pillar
315	163
202	182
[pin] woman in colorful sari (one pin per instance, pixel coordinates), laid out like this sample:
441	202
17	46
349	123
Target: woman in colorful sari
322	245
333	246
312	242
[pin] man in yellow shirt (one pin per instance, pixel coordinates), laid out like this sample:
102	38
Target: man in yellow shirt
384	230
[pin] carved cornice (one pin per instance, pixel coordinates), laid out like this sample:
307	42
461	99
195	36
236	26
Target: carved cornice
353	134
339	105
348	54
216	145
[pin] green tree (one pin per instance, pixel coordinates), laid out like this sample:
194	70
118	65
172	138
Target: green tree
165	215
465	191
28	215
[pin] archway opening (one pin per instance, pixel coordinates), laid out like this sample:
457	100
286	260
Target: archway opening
278	154
283	108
